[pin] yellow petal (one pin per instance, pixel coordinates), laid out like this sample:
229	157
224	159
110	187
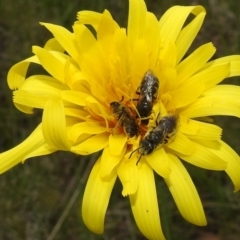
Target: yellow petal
89	17
136	19
44	149
211	76
185	95
233	163
203	157
128	174
109	162
210	106
159	161
233	60
139	67
36	90
185	194
17	73
93	60
76	113
53	65
225	93
195	61
19	153
200	130
168	55
145	205
96	198
181	144
42	84
76	138
54	125
188	34
106	28
24	98
23	108
151	34
53	45
174	18
64	37
88	127
75	97
92	144
117	143
218	100
85	37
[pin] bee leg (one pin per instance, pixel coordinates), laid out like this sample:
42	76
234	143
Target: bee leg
156	122
119	123
138	92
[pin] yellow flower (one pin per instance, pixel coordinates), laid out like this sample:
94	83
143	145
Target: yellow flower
89	71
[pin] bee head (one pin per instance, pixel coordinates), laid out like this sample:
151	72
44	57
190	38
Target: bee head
146	147
114	105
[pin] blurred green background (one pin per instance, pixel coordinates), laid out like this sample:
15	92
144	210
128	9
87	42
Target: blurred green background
41	198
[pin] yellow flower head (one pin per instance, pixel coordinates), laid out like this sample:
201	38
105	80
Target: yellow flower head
136	95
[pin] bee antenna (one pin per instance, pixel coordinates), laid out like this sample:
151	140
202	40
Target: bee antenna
133	152
139	159
121	99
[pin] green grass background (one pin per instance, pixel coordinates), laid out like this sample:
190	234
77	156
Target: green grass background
41	198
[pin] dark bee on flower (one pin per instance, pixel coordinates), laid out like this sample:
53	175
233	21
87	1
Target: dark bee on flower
159	135
147	92
125	119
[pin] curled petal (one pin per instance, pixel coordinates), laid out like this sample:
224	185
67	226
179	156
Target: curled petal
96	198
27	99
54	125
233	163
145	206
31	146
89	17
17	73
43	85
185	194
173	20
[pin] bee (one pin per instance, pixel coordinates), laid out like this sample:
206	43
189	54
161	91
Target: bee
147	92
159	135
125	119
